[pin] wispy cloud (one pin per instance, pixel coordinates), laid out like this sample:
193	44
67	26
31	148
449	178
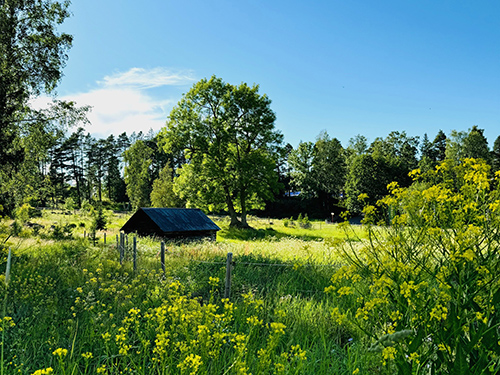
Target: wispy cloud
148	78
118	110
123	102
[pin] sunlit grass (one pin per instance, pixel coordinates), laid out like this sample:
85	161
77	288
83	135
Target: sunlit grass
71	294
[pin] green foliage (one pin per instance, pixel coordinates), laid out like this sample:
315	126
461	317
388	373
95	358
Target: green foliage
328	167
163	194
495	155
86	206
365	176
227	135
62	232
319	169
303	221
300	160
33	54
70	204
23	213
425	291
476	146
99	220
288	222
455	145
138	160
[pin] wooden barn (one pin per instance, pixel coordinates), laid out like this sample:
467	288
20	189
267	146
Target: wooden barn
171	223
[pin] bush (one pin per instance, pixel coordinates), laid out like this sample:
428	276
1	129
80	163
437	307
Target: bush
70	204
304	221
99	221
288	222
62	232
425	290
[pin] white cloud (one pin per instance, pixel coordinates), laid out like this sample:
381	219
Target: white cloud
122	102
118	110
143	78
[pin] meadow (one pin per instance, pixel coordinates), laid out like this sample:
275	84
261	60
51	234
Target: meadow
418	296
72	308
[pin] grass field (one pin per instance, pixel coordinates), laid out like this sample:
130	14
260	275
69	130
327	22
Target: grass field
77	310
331	299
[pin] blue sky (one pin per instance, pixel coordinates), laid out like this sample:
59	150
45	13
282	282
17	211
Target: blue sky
347	67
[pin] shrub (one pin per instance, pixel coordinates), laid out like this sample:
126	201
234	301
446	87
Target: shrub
289	222
304	221
62	232
425	290
99	221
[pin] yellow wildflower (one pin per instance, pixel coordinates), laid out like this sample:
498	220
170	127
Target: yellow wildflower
60	352
45	371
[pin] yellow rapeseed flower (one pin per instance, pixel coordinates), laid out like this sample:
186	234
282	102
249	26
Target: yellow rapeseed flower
439	312
87	355
388	353
60	352
45	371
254	321
278	328
414	357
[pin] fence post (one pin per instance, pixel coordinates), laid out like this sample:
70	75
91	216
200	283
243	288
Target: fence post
104	238
122	250
162	257
229	261
135	254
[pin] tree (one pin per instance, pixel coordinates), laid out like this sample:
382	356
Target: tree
229	141
455	146
358	145
439	146
368	176
495	155
300	160
328	168
283	168
476	145
395	156
137	174
433	152
73	158
97	155
163	194
427	158
32	56
114	183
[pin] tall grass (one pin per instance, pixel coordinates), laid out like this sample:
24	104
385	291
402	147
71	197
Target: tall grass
78	311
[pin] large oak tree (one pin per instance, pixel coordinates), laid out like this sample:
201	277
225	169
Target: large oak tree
229	141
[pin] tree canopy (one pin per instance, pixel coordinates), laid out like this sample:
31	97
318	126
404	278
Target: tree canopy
32	56
229	141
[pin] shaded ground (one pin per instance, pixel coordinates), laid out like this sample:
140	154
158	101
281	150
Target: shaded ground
264	234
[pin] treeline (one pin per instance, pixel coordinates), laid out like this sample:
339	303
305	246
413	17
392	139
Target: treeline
130	171
332	174
219	150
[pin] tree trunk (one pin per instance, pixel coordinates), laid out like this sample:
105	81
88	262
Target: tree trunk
244	223
235	223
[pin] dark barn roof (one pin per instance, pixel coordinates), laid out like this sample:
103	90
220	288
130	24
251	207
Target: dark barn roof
171	223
